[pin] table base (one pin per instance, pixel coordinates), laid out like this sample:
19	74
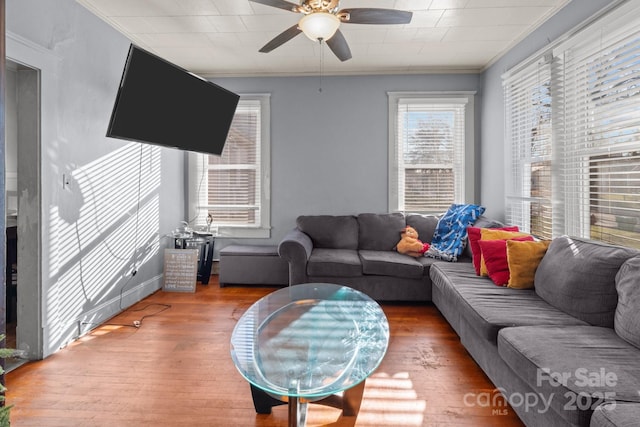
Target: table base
349	402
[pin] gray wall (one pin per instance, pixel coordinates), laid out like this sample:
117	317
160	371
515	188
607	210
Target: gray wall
329	150
493	149
92	234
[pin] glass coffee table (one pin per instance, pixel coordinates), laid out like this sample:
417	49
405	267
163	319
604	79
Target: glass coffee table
306	343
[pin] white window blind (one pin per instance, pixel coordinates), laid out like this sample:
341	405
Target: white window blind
574	116
429	153
232	190
600	141
233	196
529	136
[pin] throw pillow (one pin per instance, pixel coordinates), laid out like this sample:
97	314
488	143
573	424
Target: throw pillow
494	253
627	318
491	234
524	258
474	238
450	236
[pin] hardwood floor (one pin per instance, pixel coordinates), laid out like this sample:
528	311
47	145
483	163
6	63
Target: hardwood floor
175	370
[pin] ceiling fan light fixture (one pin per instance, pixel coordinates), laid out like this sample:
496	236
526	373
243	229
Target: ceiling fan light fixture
319	25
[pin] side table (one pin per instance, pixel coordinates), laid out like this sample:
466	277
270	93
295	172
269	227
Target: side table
204	242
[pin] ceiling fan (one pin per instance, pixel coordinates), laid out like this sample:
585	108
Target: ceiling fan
323	17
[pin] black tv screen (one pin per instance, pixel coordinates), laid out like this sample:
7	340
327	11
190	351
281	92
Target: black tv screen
161	103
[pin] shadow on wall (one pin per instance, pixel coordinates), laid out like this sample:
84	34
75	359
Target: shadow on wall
105	228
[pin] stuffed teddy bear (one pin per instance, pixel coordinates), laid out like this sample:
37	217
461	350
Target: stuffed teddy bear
409	243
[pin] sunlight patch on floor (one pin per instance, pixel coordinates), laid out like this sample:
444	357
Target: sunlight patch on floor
391	400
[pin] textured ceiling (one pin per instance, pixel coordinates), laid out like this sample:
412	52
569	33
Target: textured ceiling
222	37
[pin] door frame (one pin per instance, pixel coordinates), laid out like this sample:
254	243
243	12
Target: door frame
29	333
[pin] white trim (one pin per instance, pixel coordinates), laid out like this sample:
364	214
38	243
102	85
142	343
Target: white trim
625	9
105	311
33	299
463	97
548	49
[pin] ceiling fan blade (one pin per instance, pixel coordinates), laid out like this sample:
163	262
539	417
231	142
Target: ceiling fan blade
281	39
376	16
280	4
338	45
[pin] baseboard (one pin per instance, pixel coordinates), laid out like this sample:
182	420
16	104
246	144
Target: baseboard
105	311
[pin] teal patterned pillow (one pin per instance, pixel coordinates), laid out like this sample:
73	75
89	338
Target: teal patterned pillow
450	236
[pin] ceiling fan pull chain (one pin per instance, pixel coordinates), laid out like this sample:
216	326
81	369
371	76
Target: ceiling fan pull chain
321	63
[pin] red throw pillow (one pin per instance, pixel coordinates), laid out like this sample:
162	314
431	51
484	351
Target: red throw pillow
474	235
494	253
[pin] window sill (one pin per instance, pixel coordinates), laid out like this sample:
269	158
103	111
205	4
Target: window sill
244	233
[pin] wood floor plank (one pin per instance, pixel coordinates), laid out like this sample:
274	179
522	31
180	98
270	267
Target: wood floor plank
176	370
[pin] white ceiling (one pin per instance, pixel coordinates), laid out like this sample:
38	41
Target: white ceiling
222	37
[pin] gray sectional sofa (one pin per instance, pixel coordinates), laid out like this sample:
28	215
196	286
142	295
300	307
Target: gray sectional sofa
358	251
554	351
566	353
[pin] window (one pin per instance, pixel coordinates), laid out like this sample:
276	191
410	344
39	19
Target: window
431	136
585	95
529	135
232	190
601	137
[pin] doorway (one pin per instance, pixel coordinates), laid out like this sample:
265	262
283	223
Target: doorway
22	165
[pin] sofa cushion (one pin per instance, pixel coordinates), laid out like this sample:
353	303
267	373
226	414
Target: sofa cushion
484	222
576	367
426	264
334	263
489	308
578	277
332	232
389	263
379	232
425	225
617	414
627	317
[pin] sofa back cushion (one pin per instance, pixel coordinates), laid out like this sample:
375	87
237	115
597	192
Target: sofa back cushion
627	318
425	225
380	232
330	232
579	278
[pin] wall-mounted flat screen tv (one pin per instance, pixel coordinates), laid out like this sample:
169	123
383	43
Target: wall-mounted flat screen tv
161	103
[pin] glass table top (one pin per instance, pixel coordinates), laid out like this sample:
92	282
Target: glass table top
310	340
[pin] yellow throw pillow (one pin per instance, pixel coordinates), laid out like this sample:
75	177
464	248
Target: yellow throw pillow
523	259
492	234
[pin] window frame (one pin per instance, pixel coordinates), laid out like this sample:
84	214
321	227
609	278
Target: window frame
197	186
467	185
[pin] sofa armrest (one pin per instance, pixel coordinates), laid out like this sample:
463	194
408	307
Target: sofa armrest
296	249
